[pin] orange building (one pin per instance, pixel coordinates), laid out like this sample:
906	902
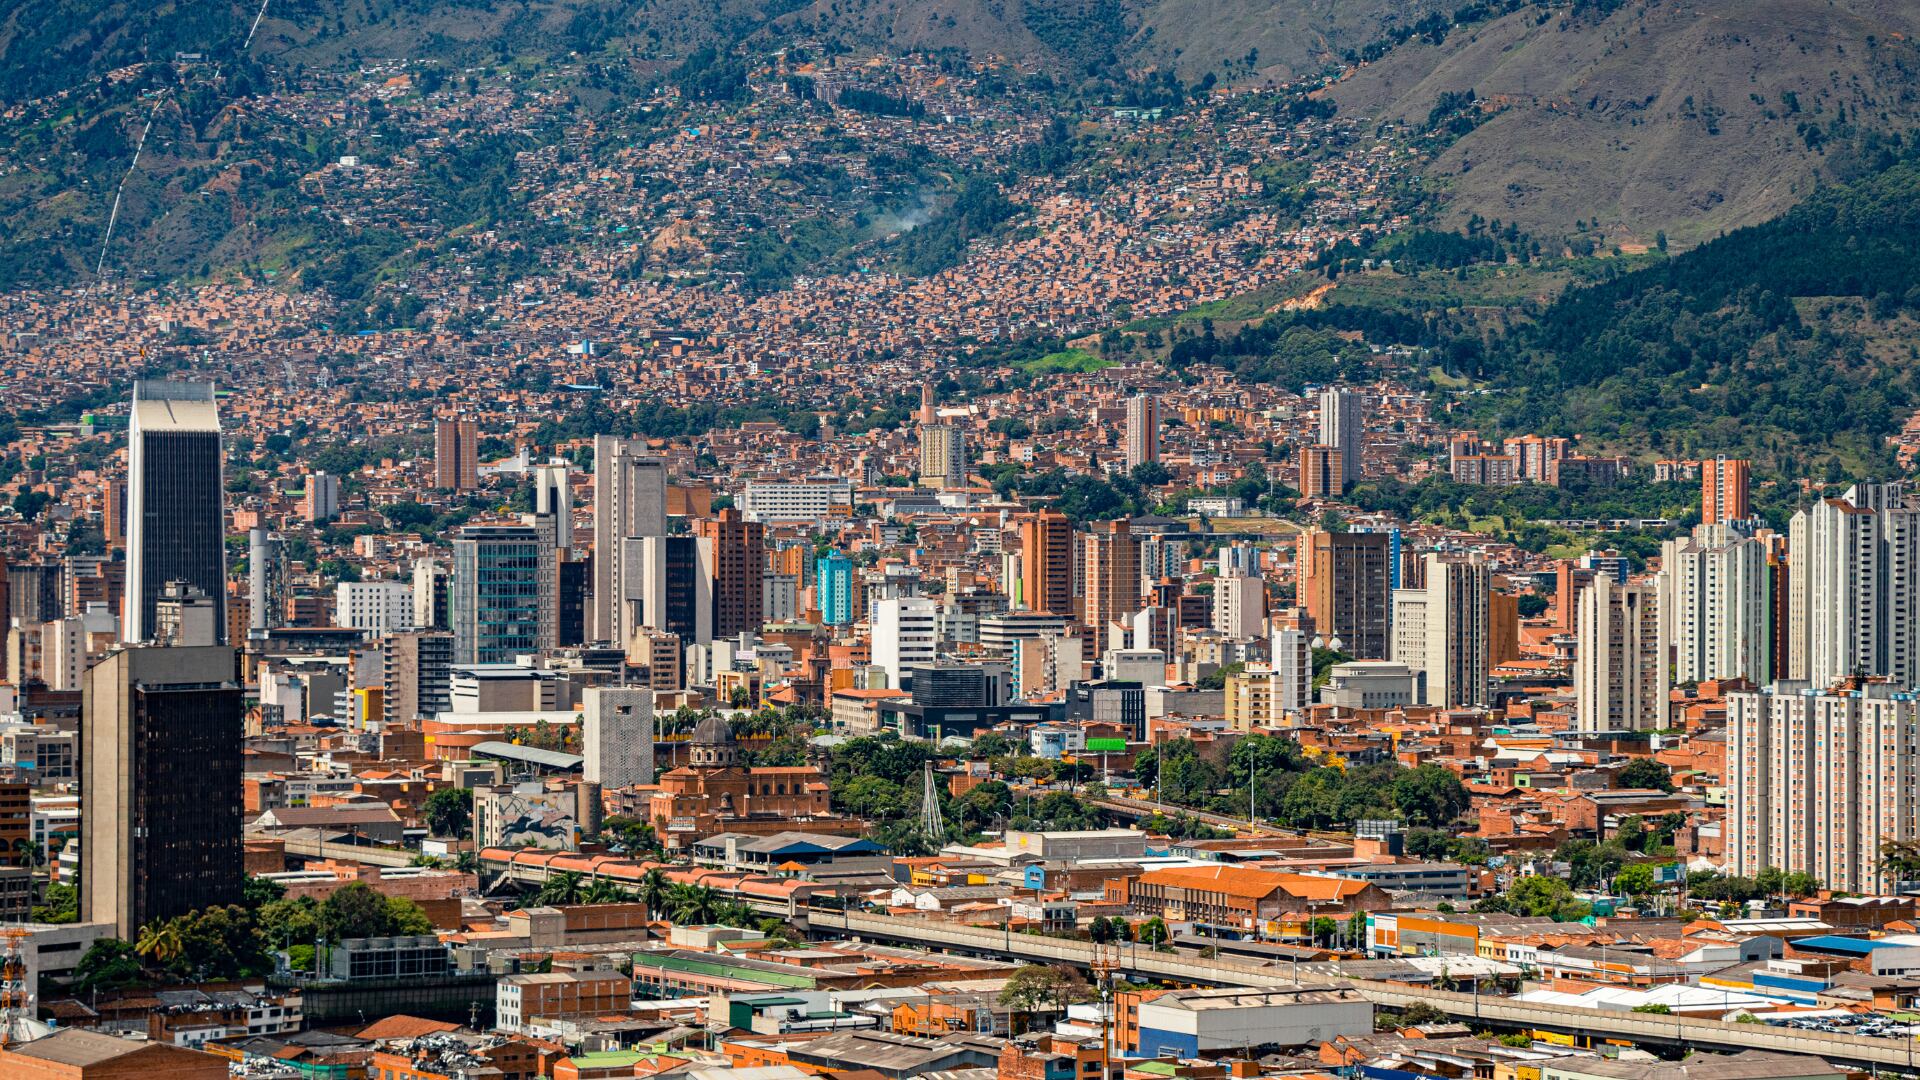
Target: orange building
77	1054
1723	490
1320	472
714	793
1046	563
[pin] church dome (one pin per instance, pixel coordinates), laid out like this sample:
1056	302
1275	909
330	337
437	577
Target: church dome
713	745
712	731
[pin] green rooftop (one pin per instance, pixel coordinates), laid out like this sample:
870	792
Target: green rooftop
726	971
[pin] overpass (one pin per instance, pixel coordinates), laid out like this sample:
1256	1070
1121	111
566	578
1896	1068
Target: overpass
1505	1012
370	854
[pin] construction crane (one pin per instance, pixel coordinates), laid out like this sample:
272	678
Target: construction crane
16	992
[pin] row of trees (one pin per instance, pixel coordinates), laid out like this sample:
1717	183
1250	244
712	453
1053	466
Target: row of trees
1290	788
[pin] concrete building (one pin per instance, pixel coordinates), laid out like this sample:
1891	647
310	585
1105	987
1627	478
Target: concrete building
1113	575
1372	684
736	555
629	502
320	502
430	595
1343	427
1240	605
1046	564
1723	491
161	785
814	499
833	588
268	584
456	455
1442	630
1143	430
672	588
1854	573
377	607
1320	472
905	633
1191	1023
416	675
1718	605
1345	583
616	736
943	456
176	517
1620	672
1816	781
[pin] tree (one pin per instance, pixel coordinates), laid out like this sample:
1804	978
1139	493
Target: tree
1154	932
1422	1014
1636	880
1430	795
1646	774
161	942
449	812
353	911
654	889
59	904
109	964
1035	986
257	891
289	922
1899	859
566	887
406	918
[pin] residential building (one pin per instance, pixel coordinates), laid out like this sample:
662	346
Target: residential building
1240	604
416	675
320	502
1854	573
814	499
1320	472
1442	630
1723	491
1620	672
1046	564
833	588
456	455
905	633
1143	430
1718	605
268	583
736	552
1113	575
377	607
160	785
1345	584
943	456
176	519
1343	427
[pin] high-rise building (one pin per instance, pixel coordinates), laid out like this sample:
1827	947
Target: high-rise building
456	455
674	587
113	517
377	607
737	553
1717	603
629	502
176	520
553	503
186	616
616	736
833	588
1345	584
1723	491
1320	473
1441	629
1817	781
268	582
1854	565
905	633
321	501
430	595
1240	605
416	675
501	594
1046	563
1143	430
1342	426
161	799
87	580
1620	662
1113	576
943	456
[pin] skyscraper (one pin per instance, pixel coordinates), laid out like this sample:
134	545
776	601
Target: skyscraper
1442	630
456	455
1143	430
416	675
161	799
1046	563
1717	603
674	587
833	588
629	501
1342	426
176	521
737	555
1320	472
267	580
553	503
321	501
1723	490
1345	585
1853	568
1113	576
501	594
1620	663
943	456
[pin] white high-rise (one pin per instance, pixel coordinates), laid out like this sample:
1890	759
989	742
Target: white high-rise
1240	605
1143	430
1859	599
1716	596
905	633
1441	630
1342	426
376	607
629	500
1817	781
1619	669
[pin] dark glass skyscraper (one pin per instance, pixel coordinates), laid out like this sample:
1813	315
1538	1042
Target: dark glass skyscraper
176	527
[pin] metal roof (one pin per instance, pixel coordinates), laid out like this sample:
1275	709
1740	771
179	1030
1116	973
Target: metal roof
533	755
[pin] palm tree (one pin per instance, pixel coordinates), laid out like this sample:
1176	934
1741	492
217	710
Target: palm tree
603	891
654	888
693	904
161	942
28	851
565	887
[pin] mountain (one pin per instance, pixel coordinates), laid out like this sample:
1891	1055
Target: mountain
1684	116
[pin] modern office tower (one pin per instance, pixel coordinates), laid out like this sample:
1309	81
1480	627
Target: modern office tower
377	607
905	633
553	503
575	588
456	455
1817	781
629	502
1718	606
1620	664
501	594
737	554
673	587
1320	476
1342	426
430	595
943	456
1046	563
1723	491
321	501
616	736
1441	629
161	799
186	616
1113	576
833	588
268	584
1143	430
1240	605
416	675
1345	584
176	521
1854	564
